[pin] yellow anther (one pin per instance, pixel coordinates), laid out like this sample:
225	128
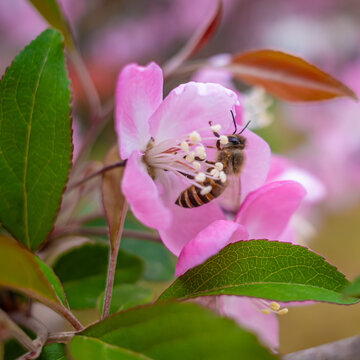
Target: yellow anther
265	311
200	177
283	311
194	137
223	139
185	146
274	306
216	128
206	190
219	166
190	157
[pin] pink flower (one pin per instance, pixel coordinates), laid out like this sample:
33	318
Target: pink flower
264	213
161	138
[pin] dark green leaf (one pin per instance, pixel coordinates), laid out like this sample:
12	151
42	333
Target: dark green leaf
125	296
171	331
264	269
51	12
353	289
159	262
53	352
83	271
22	271
35	139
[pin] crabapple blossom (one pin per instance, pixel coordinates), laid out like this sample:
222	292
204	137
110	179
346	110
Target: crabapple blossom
168	145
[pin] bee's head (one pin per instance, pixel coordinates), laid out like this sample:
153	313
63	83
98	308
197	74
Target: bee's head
236	141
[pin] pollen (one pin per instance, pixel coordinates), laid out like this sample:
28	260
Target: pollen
206	190
219	166
185	146
274	306
190	157
215	173
265	311
195	137
200	152
196	165
222	176
215	128
223	139
283	311
200	177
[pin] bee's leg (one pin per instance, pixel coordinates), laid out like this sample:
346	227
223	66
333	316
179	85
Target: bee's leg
218	146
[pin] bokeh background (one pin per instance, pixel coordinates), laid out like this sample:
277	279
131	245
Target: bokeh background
322	138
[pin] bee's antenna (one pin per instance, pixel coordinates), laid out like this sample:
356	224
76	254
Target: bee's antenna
232	114
245	127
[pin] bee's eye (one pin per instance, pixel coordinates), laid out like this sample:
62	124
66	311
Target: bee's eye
233	140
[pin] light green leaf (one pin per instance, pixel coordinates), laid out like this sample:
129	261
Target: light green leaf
353	289
35	139
264	269
83	271
125	296
83	347
50	11
53	351
22	271
169	331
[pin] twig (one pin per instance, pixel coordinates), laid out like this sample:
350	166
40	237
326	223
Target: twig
10	328
76	230
38	328
97	173
345	349
69	316
60	337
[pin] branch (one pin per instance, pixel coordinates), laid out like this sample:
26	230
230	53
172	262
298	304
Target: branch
97	173
345	349
38	328
60	337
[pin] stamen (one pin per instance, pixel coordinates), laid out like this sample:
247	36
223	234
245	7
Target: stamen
190	157
265	311
206	190
185	146
219	166
200	152
196	165
223	139
215	128
215	173
200	177
274	306
195	137
283	311
222	176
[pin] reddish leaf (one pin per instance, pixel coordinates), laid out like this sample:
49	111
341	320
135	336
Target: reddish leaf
286	76
114	202
196	42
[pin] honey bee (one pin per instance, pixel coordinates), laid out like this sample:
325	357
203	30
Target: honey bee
231	156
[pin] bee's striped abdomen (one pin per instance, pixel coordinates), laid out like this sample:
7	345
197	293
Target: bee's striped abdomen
191	197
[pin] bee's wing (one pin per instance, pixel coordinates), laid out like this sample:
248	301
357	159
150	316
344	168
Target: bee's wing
231	198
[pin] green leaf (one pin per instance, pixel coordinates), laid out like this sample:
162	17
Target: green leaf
53	352
125	296
35	139
159	262
264	269
83	347
83	271
353	289
170	331
50	11
22	271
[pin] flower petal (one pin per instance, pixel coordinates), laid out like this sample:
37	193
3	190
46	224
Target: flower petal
208	243
142	194
266	212
245	313
138	94
257	163
190	107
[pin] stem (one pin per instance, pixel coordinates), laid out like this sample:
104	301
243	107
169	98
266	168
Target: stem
14	331
97	173
38	328
69	316
60	337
